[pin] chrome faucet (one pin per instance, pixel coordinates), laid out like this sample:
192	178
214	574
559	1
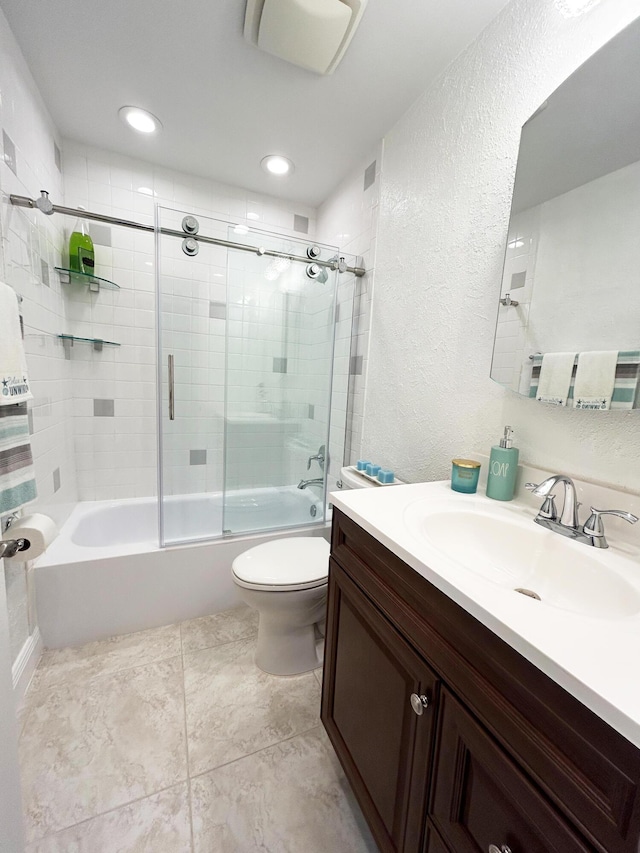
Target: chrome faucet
319	481
548	512
592	532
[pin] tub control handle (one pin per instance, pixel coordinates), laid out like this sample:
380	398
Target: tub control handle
172	399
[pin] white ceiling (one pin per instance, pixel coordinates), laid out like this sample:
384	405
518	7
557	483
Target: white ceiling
223	103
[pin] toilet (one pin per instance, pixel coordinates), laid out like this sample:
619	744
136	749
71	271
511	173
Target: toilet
285	580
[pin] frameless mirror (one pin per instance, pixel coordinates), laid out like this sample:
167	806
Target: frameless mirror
568	329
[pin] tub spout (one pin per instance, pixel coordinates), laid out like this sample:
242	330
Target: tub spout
319	481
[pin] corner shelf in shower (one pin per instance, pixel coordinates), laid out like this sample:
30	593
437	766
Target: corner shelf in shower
69	340
94	282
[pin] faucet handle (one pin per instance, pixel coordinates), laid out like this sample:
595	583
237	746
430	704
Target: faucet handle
548	510
319	457
594	525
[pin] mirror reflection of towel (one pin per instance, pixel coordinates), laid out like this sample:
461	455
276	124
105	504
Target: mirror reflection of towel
555	377
595	379
14	380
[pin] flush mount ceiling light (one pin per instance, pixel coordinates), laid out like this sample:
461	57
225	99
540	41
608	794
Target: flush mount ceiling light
314	34
276	164
140	120
574	8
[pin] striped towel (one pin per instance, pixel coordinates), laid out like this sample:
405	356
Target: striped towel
17	477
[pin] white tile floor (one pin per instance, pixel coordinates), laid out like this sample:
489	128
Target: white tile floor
173	741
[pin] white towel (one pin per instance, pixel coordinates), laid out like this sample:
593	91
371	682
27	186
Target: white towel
595	378
14	379
555	377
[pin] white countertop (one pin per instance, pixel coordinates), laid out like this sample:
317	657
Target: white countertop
594	659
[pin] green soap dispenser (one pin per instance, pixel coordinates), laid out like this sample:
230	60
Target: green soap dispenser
81	252
503	468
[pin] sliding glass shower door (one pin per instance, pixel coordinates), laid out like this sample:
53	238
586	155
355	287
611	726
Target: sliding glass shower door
245	370
279	358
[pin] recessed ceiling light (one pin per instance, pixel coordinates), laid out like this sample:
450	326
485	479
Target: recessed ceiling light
146	191
140	120
252	215
275	164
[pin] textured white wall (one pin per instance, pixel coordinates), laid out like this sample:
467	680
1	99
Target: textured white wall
445	196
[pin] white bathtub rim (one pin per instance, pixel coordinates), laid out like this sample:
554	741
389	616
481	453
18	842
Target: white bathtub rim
63	550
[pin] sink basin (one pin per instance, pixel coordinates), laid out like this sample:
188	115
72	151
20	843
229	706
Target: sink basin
517	554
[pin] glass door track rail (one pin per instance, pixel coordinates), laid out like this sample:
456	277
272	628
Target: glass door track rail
48	208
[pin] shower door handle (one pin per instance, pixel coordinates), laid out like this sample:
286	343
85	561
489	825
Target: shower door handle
172	399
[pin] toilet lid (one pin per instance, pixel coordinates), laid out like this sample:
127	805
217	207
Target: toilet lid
284	562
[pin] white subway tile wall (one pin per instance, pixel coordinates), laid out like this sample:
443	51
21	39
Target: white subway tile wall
29	250
116	456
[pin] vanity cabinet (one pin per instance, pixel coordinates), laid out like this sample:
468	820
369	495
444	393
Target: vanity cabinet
451	740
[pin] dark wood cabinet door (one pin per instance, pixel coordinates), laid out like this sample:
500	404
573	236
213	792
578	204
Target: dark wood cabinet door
480	797
433	843
384	746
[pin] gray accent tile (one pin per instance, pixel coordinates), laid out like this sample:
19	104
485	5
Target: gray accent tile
44	272
57	157
197	457
312	411
30	420
56	480
103	409
337	314
369	175
100	234
218	310
279	365
9	152
518	279
355	368
301	223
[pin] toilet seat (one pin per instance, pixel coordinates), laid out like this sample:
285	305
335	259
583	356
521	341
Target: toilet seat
289	564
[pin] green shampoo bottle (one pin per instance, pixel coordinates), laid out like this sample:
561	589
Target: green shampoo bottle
503	468
81	252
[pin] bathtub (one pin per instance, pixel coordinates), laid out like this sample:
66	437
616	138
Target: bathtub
105	574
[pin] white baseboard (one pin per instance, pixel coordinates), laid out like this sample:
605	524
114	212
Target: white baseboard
25	664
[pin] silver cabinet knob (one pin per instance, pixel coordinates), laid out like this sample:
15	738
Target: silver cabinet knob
502	849
419	703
